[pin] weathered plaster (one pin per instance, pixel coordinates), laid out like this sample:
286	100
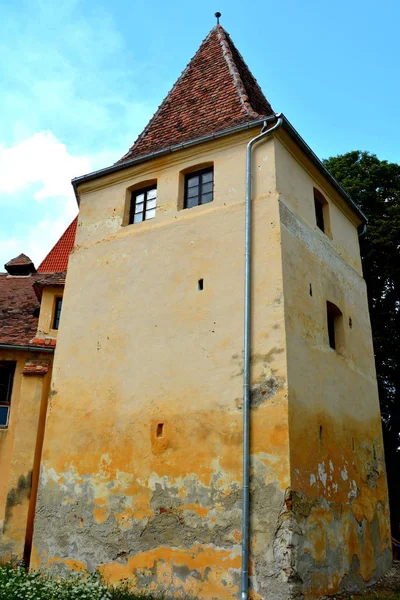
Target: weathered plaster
19	462
338	483
141	472
142	459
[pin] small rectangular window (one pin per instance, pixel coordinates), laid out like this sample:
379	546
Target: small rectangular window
322	217
199	187
143	204
57	313
335	325
7	369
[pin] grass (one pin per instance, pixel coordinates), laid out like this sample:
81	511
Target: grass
16	583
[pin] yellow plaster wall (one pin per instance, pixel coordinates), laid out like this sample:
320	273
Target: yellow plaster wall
18	444
143	346
296	177
338	482
47	308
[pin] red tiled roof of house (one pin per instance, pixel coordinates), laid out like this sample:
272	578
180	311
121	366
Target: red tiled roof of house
57	259
215	92
52	279
19	310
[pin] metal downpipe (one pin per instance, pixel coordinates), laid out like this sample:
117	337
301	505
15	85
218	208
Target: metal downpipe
247	352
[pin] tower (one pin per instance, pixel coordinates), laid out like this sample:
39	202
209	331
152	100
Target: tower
142	459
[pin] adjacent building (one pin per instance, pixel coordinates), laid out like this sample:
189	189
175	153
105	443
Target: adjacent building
30	310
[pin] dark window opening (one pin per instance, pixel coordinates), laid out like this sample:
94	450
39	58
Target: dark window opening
199	187
319	214
201	284
57	313
160	429
333	321
143	204
7	369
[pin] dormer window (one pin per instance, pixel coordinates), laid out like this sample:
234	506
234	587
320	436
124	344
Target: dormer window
57	313
20	266
199	187
143	204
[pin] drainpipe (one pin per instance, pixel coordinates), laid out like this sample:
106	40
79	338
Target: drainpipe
247	352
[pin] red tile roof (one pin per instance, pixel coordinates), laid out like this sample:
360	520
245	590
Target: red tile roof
57	259
52	279
215	92
19	296
19	310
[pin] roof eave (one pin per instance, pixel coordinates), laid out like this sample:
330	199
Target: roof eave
321	167
145	157
26	348
286	124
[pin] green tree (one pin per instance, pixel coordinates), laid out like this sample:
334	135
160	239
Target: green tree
375	186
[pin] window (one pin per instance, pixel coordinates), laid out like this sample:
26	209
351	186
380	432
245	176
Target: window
143	204
57	313
7	369
321	212
335	326
199	187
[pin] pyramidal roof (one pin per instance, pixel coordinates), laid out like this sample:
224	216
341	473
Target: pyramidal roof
215	92
57	259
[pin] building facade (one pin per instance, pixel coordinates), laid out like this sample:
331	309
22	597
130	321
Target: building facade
30	307
141	470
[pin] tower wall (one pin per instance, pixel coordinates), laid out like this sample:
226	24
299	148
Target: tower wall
142	462
339	501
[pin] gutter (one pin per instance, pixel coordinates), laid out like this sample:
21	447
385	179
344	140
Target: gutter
206	138
26	348
145	157
247	357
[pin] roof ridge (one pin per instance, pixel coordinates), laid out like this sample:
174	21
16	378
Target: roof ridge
164	102
214	92
224	39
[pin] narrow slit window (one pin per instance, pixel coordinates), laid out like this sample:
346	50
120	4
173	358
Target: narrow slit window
143	204
7	370
199	187
334	323
57	313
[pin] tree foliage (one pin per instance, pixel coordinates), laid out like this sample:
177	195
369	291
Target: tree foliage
375	186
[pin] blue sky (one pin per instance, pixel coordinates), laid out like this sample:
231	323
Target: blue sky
79	80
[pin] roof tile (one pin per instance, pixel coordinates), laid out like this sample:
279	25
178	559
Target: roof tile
57	259
215	92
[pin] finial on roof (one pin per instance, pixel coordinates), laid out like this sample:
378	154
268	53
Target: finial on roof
218	14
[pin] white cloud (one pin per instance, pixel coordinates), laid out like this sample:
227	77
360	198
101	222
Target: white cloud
41	159
42	168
